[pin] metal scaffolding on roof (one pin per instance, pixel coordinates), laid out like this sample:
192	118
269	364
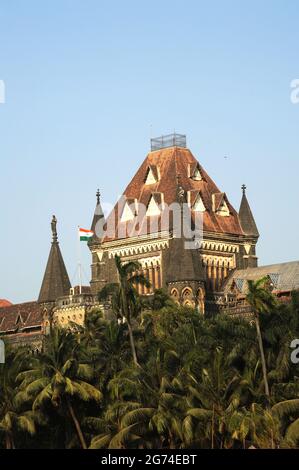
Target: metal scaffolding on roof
170	140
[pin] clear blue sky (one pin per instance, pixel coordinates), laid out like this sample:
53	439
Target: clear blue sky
85	80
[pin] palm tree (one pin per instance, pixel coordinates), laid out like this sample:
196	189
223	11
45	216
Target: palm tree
143	411
261	301
254	425
160	299
58	377
213	396
287	412
123	295
15	410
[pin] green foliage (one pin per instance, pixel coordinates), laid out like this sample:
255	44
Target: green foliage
198	383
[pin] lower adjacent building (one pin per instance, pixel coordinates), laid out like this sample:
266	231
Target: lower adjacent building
205	267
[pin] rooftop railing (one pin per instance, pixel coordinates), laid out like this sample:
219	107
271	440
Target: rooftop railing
170	140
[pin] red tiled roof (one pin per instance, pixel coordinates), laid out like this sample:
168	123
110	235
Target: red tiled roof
170	162
20	317
5	303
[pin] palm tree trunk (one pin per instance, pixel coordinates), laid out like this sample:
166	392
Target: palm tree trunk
132	343
7	441
212	431
77	425
264	367
125	312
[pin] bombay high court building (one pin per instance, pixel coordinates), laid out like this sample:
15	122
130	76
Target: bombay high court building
206	272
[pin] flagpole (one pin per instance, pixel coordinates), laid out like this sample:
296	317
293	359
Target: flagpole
79	262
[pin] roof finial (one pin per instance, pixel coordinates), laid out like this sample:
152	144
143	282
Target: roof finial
54	228
243	187
98	195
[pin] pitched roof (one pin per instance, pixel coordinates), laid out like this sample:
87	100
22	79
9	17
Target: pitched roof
169	163
20	317
96	225
284	276
56	281
246	218
4	303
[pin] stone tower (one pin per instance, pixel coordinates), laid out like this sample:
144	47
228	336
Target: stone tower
184	276
138	228
251	232
56	281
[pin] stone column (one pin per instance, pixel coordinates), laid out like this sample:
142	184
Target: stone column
146	274
156	272
152	278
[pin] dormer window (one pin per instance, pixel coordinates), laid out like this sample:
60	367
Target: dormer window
223	209
196	201
152	175
129	210
197	175
220	204
154	205
19	319
195	172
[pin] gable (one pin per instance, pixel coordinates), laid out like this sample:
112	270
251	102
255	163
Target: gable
194	172
223	209
151	176
198	205
237	286
128	212
220	206
274	278
153	207
197	176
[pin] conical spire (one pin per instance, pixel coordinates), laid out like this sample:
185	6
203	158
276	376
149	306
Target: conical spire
98	220
246	218
56	281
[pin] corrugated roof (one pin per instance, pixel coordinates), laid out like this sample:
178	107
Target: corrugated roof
285	276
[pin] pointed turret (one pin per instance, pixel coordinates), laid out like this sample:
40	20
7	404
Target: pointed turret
98	220
184	273
56	281
183	264
246	218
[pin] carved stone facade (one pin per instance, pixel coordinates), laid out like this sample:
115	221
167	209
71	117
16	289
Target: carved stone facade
209	277
228	240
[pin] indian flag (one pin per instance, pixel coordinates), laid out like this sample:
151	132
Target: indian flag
85	235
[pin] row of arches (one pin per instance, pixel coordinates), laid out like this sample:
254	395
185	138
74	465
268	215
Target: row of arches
188	298
153	274
216	271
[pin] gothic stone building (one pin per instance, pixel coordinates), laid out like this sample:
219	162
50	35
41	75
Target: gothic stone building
210	277
192	276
